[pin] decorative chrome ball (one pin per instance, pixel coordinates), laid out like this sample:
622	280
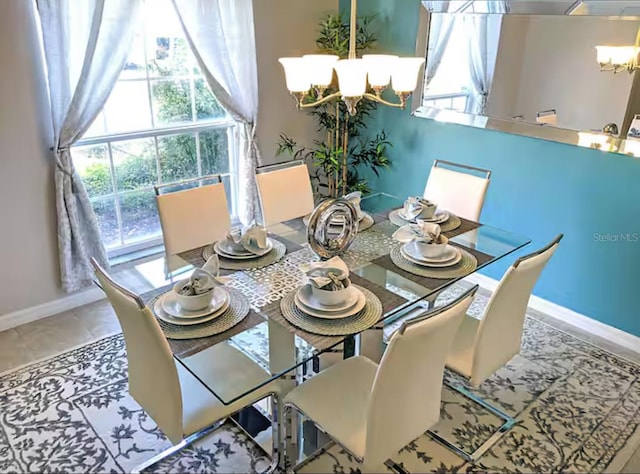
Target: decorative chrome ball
333	226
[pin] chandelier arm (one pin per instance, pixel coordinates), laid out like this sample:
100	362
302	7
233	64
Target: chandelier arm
400	105
330	97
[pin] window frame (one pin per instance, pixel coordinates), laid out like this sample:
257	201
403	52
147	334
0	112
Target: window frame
195	127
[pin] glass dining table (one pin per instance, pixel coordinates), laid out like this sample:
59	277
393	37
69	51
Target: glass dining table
282	349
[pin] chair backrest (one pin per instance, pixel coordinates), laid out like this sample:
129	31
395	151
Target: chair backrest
285	194
153	378
500	332
192	218
405	398
456	191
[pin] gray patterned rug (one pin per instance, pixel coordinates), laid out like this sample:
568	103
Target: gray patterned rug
577	407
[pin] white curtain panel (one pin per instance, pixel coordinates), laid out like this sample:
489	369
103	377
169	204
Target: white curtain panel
440	28
483	41
86	43
222	37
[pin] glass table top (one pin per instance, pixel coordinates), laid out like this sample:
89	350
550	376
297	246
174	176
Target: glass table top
277	346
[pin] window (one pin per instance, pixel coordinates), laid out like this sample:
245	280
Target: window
451	87
161	124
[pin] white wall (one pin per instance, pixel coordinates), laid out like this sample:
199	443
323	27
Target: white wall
284	28
559	71
28	246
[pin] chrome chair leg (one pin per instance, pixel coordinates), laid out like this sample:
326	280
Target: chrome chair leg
508	423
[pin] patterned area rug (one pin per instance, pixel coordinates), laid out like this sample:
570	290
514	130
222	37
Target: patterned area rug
577	407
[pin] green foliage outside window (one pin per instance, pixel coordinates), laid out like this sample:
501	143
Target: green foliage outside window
177	153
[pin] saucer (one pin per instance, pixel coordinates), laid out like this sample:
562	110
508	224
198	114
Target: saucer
244	256
306	296
438	218
170	305
161	314
451	257
361	302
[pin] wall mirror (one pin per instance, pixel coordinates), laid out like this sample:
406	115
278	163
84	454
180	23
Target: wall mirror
561	71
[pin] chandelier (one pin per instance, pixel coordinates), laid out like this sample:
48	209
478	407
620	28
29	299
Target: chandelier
308	77
619	58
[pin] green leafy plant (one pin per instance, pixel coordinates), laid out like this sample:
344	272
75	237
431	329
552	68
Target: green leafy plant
344	153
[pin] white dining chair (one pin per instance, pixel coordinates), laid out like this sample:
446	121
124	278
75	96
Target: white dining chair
374	410
285	192
459	192
191	218
182	407
481	347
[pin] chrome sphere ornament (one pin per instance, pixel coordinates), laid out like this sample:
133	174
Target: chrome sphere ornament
333	226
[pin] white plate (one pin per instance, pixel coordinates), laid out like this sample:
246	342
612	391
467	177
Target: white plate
429	262
171	306
438	218
306	296
247	256
186	321
229	248
359	306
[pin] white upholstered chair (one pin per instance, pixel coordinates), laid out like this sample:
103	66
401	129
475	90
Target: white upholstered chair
374	410
456	191
285	193
182	407
481	347
191	218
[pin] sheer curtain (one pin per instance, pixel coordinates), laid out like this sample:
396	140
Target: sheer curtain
86	43
221	35
440	28
483	39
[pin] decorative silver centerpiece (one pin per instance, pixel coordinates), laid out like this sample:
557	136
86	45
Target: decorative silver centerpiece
333	226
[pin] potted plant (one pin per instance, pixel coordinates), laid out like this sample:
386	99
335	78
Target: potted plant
340	158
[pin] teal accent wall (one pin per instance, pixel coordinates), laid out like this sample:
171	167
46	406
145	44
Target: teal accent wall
538	189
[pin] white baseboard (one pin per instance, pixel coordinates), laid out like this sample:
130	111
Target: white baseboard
567	316
66	303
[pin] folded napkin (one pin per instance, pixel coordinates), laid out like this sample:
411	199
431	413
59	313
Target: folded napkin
253	237
203	280
355	198
332	274
421	231
413	207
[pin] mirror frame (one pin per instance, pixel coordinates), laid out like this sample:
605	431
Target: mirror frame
602	142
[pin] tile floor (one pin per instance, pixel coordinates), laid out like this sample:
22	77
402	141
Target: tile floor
47	337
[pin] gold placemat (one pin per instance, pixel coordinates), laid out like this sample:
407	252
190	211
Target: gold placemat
464	267
237	311
357	323
277	252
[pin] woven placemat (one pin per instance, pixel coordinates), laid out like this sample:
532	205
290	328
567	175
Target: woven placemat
237	311
447	226
467	265
333	327
277	252
365	223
